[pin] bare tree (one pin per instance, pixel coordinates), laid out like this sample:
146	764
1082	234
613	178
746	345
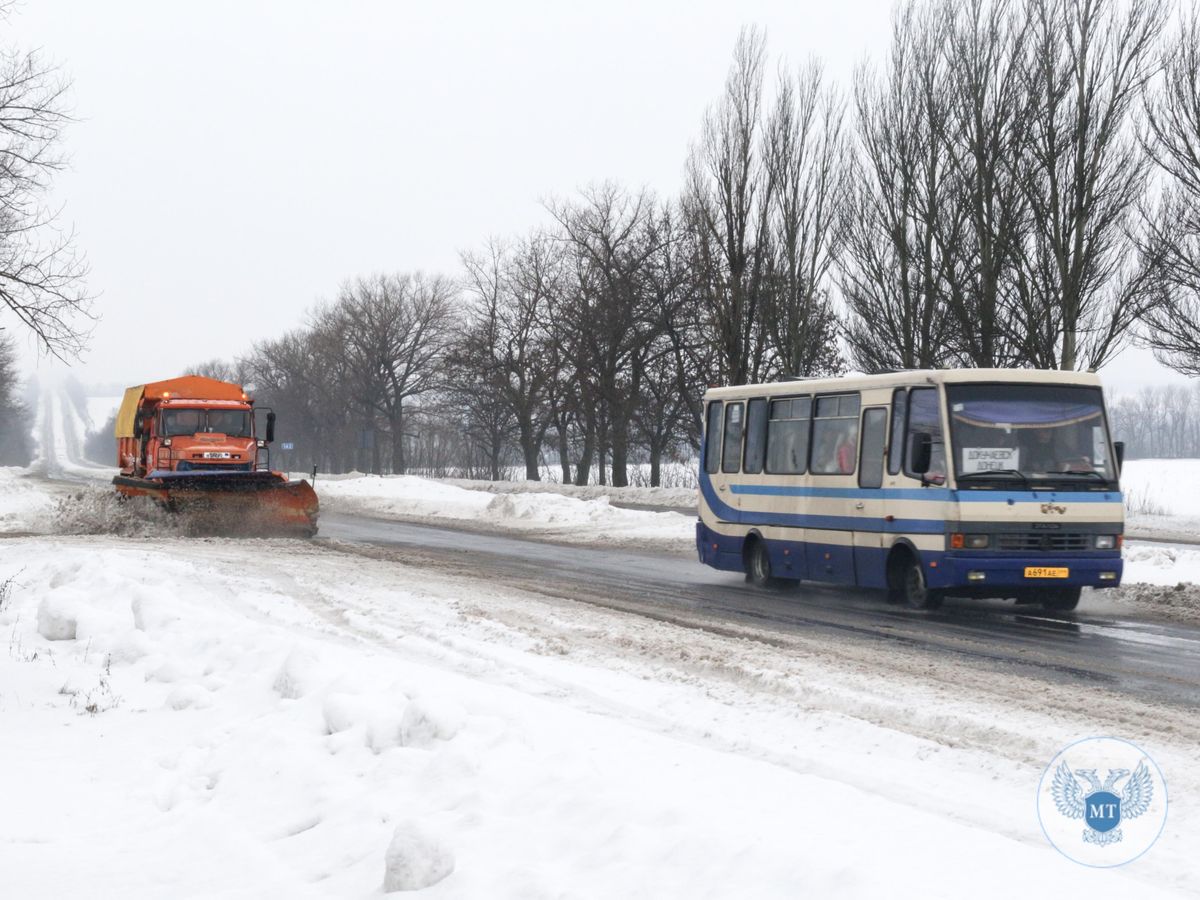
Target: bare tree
393	330
805	158
1084	178
903	200
727	202
41	276
614	238
1171	248
511	291
986	53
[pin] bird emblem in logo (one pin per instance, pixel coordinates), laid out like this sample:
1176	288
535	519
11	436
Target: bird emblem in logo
1102	806
1048	508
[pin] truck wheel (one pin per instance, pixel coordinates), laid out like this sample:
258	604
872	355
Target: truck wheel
917	593
758	566
1061	599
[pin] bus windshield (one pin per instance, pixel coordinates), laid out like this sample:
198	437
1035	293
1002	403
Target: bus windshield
1030	433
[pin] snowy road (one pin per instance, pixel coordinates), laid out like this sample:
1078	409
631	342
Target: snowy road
1155	661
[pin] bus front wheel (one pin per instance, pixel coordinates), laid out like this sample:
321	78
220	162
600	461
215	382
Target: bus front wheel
915	591
1062	599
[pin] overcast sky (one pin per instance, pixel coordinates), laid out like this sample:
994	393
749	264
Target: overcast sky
234	162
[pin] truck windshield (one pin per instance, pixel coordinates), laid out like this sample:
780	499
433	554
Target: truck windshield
1030	433
231	422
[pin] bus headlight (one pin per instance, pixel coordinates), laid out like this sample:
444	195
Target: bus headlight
969	541
1106	541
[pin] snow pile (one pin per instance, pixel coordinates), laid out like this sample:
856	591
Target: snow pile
669	498
24	504
545	515
101	510
416	859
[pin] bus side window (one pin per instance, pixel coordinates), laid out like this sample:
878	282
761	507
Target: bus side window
787	436
925	417
756	436
731	453
874	430
712	438
835	435
899	423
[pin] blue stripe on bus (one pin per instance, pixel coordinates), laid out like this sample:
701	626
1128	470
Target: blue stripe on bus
927	494
750	517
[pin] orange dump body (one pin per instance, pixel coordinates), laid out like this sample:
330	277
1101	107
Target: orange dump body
191	444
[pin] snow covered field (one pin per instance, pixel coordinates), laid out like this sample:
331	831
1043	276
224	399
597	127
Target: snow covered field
214	717
280	719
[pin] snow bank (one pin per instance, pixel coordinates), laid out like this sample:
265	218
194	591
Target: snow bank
24	504
667	497
546	515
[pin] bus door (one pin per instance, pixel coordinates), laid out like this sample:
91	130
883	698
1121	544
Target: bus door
868	507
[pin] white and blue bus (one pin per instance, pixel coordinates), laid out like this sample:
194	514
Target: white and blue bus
971	483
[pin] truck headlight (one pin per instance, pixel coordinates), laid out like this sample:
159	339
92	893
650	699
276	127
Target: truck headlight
1106	541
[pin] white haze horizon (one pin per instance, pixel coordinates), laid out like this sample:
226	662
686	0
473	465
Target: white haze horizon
230	168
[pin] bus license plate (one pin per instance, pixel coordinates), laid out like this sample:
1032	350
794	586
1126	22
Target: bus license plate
217	455
1045	572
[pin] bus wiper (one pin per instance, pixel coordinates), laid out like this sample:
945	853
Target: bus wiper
1005	472
1089	473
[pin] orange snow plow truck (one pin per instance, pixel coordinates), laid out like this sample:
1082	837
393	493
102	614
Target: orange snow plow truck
192	444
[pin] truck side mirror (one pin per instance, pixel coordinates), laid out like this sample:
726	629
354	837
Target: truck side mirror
270	427
921	452
139	425
1119	449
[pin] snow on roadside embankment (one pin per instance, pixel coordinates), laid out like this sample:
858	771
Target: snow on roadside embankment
1162	498
544	515
665	497
194	718
24	503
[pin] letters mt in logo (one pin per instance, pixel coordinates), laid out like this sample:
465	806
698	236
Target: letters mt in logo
1101	809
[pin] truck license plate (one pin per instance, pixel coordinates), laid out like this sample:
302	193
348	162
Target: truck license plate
1045	572
212	454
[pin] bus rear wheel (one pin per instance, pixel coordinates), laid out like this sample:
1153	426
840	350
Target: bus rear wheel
1061	599
758	565
916	592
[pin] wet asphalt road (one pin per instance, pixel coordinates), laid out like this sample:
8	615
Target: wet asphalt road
1152	661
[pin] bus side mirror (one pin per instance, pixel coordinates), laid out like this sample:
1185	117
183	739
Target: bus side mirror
922	452
270	427
1119	449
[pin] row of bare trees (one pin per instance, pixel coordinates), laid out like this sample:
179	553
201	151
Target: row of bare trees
16	422
1158	422
1017	184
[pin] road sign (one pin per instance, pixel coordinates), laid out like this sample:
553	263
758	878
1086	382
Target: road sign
287	445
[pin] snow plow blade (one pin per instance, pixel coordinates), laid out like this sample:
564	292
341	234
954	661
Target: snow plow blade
244	503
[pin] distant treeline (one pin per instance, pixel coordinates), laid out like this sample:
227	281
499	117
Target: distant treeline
16	416
1158	422
1014	184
